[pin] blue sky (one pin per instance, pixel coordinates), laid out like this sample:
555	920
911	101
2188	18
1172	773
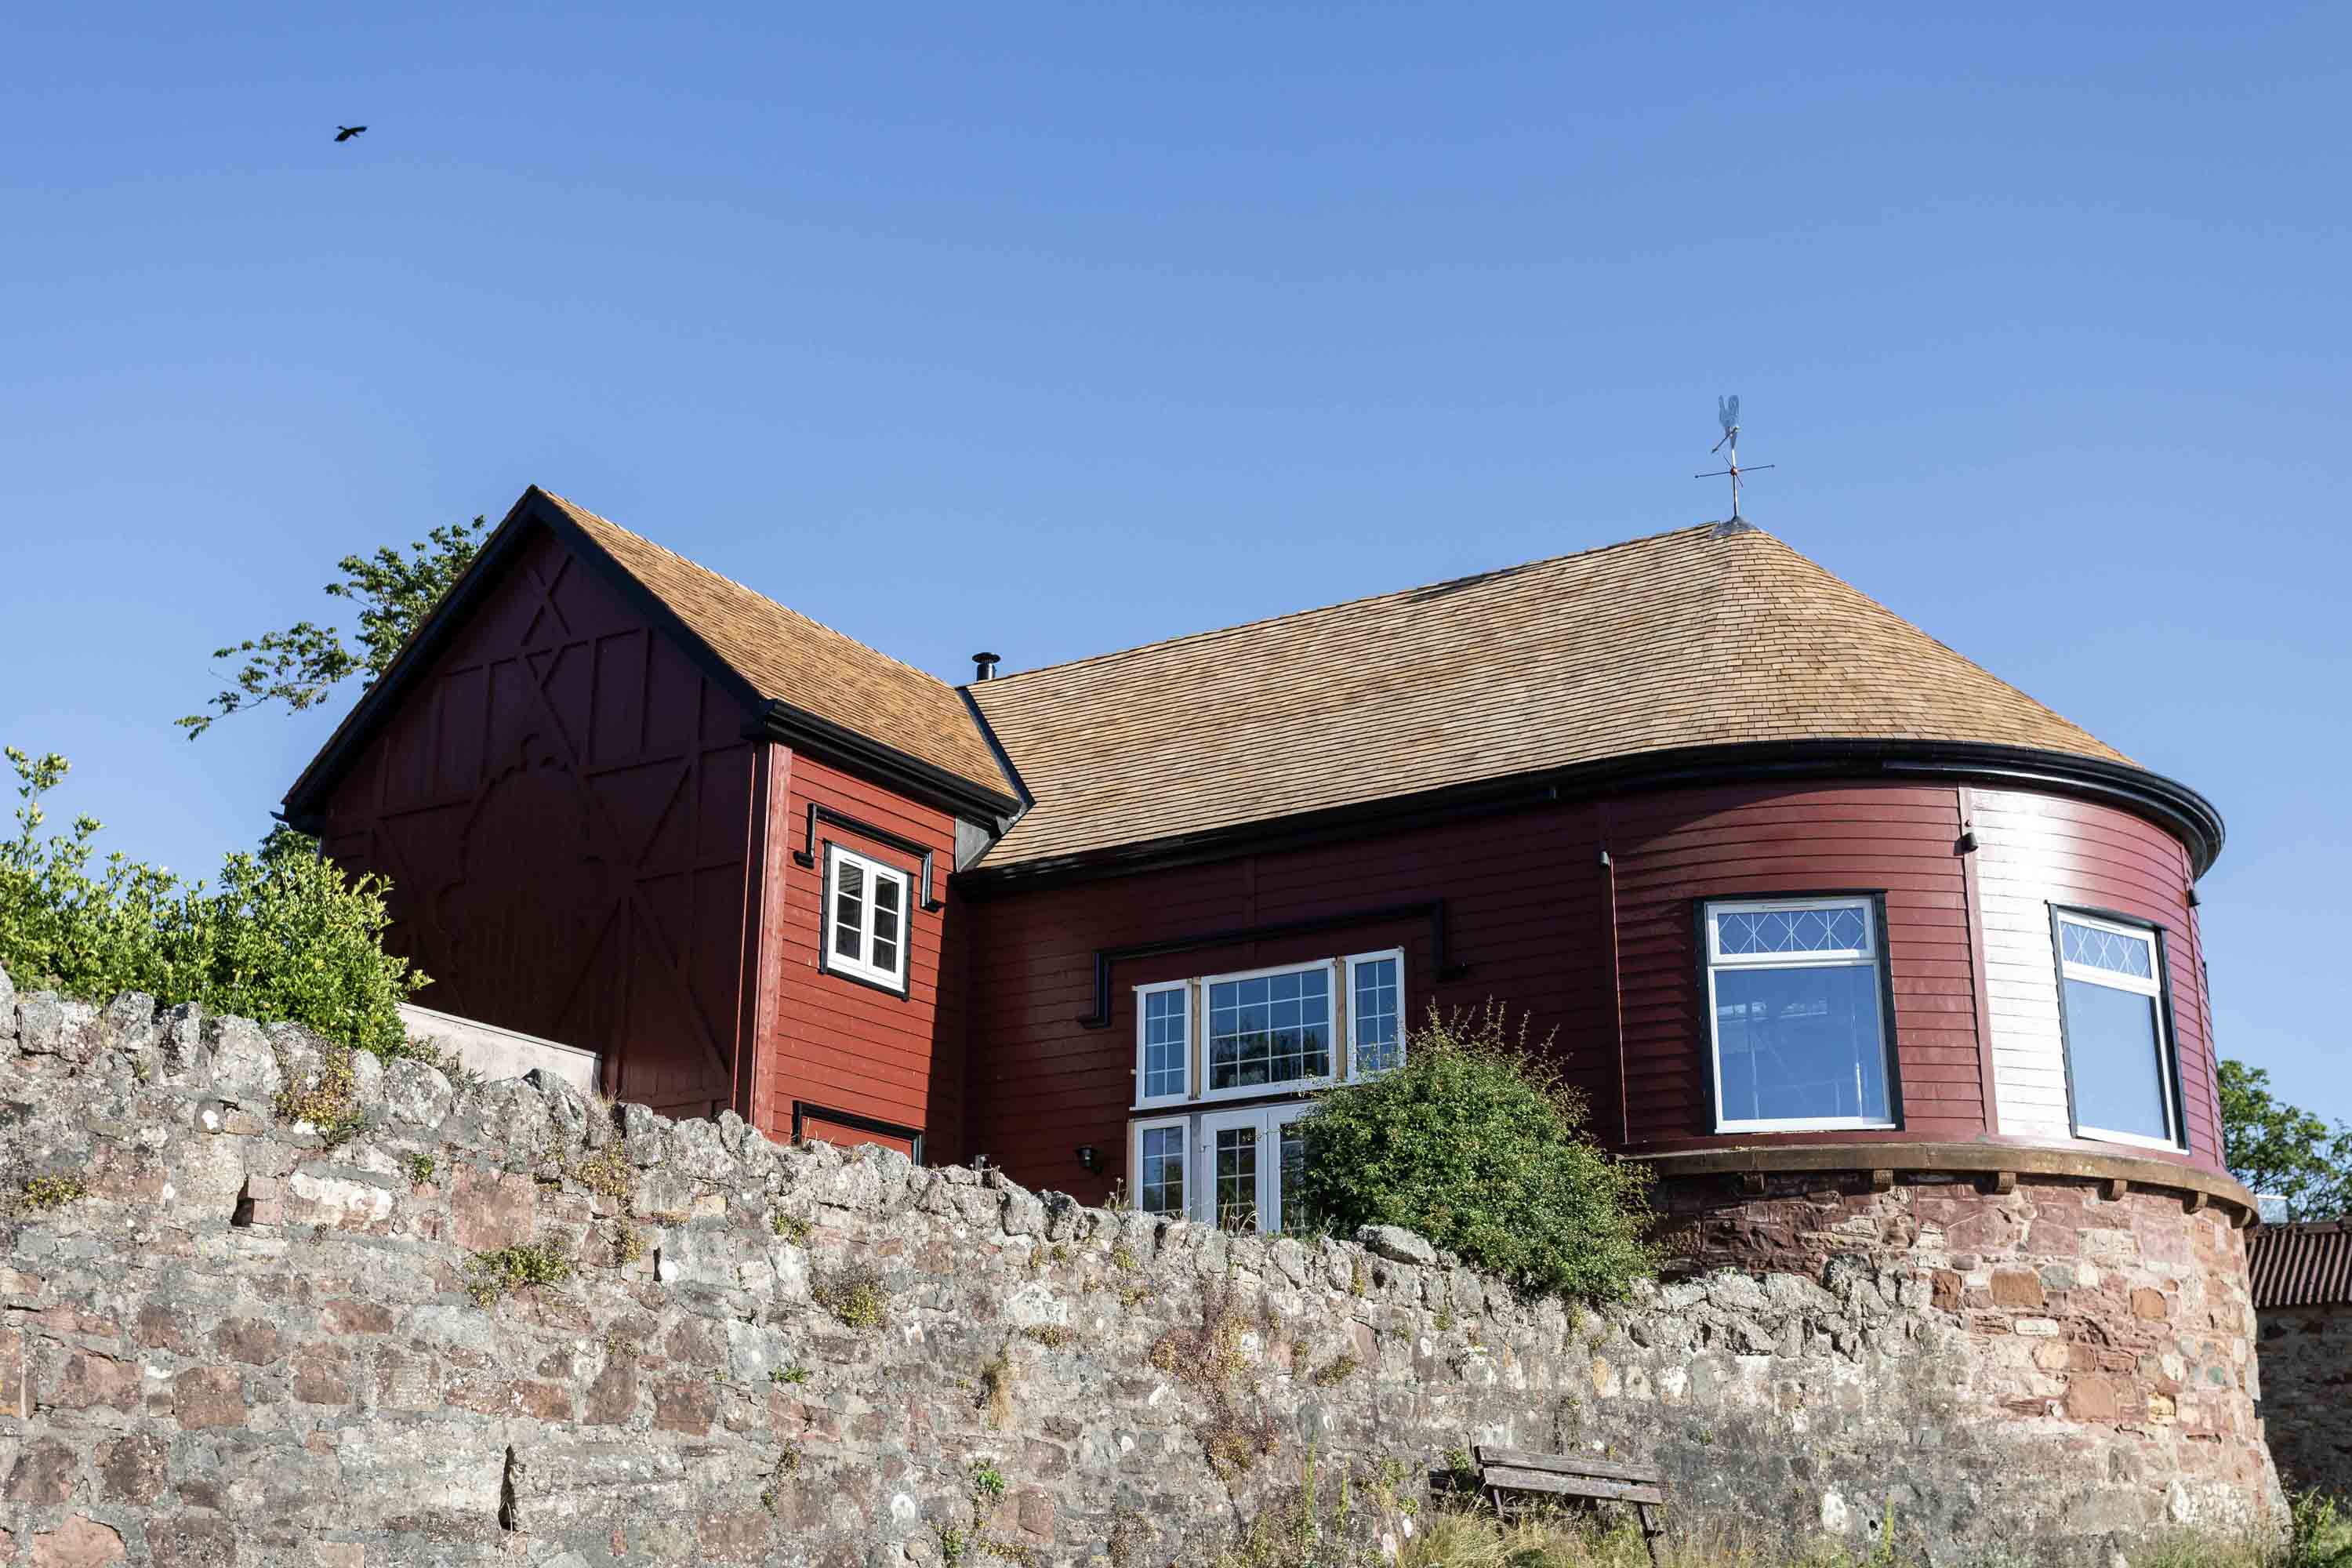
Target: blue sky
1054	329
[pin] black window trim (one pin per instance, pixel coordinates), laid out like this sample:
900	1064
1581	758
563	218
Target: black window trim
2156	930
1707	1045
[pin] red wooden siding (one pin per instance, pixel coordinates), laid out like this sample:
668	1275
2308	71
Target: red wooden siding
2040	850
1673	851
1525	903
1529	906
834	1043
563	806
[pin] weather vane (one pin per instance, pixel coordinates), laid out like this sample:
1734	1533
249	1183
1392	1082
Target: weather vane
1726	411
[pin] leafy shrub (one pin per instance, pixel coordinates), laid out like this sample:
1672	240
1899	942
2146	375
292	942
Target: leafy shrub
283	936
1477	1143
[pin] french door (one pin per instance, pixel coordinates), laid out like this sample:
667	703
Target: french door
1246	1167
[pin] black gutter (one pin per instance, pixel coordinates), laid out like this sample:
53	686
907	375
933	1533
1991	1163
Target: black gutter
2169	805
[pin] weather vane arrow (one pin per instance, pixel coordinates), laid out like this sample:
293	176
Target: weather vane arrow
1726	414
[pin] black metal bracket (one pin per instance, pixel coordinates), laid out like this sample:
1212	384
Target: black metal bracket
803	1110
806	854
1433	910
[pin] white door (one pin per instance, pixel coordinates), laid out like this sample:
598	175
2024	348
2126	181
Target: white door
1242	1158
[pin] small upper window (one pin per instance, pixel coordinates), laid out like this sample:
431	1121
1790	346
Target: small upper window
866	918
2111	1003
1796	994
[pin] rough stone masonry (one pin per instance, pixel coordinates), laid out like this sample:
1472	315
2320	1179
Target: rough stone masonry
230	1339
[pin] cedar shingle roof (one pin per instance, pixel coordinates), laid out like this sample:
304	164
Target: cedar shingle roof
1681	640
786	656
2307	1265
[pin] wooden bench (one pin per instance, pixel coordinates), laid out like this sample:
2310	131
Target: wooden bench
1502	1471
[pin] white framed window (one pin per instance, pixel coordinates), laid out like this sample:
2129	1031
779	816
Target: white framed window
1159	1155
1266	1031
864	919
1234	1169
1163	1043
1375	1011
2119	1064
1796	999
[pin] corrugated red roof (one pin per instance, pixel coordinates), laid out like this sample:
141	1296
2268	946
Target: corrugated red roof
2307	1265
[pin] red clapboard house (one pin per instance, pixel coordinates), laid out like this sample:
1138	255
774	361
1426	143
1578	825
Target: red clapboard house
1793	886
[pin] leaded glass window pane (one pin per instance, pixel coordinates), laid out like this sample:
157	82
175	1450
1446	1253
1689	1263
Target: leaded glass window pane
2096	947
1270	1029
1819	930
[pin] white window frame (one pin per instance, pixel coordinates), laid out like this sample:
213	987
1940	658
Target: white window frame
1347	1063
1872	955
1183	1094
1338	1046
861	967
2166	1064
1183	1125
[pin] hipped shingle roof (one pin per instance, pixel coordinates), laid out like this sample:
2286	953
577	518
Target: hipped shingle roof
1697	638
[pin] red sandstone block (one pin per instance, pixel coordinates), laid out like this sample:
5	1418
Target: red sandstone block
205	1396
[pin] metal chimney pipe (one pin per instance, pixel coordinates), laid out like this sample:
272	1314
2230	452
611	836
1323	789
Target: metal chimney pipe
983	665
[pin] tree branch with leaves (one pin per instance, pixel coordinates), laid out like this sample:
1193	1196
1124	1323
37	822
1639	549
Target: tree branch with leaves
301	666
2282	1151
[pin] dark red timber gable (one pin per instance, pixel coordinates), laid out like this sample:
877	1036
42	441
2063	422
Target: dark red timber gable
594	822
563	802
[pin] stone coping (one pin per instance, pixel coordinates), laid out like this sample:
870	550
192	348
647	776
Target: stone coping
2000	1162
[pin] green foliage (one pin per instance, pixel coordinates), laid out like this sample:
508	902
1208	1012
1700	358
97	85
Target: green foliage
2279	1148
286	937
1477	1143
42	1194
303	664
853	1293
792	1229
492	1274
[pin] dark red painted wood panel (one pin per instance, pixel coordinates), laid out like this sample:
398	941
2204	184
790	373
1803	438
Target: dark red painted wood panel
563	806
844	1046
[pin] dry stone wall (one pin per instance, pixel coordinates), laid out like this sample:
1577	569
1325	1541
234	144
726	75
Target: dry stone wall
2306	1355
228	1338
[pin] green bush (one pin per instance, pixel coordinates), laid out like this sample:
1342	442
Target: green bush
1477	1143
284	935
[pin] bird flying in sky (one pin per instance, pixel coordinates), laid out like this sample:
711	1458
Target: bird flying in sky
345	132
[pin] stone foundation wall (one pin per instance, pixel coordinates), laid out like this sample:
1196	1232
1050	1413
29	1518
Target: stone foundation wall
229	1340
2307	1356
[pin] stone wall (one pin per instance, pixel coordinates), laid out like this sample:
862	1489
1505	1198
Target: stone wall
225	1338
2307	1356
